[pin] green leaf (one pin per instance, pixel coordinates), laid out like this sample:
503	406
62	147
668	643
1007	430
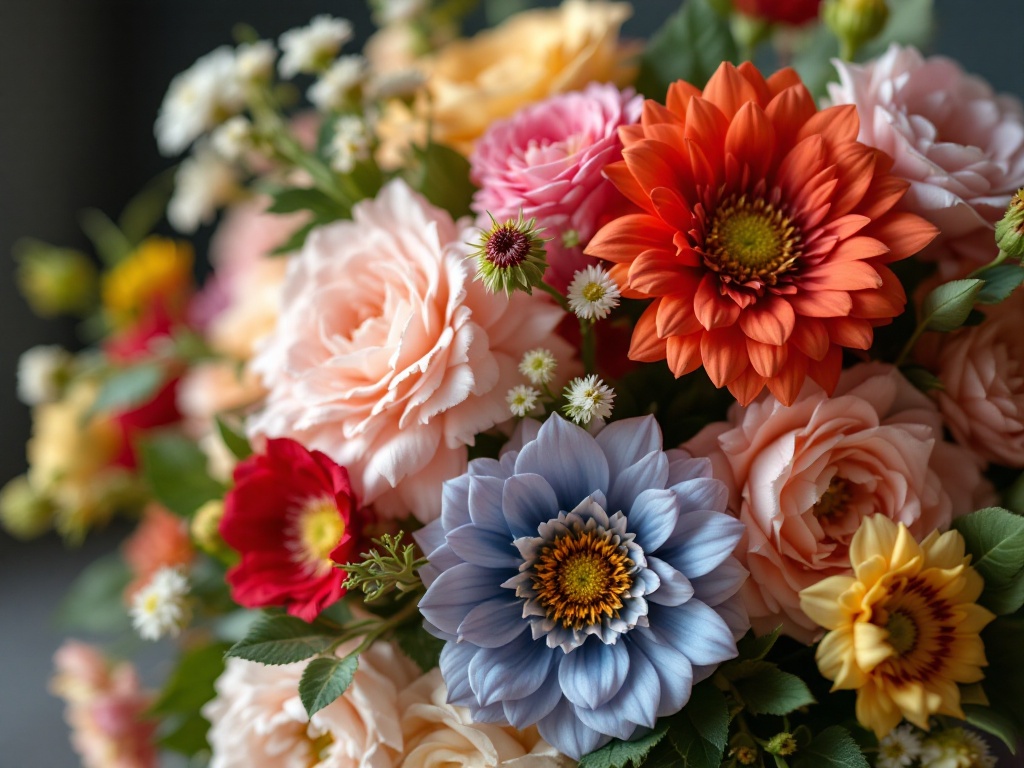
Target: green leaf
996	723
95	602
190	685
995	541
683	747
297	199
235	441
1000	282
619	754
186	735
754	647
419	645
922	378
109	241
129	387
767	690
708	712
175	469
441	175
834	747
324	680
1004	676
948	305
277	639
296	240
689	46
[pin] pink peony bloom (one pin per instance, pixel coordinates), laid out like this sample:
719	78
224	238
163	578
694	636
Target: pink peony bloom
982	369
802	478
389	357
959	144
547	160
106	709
257	718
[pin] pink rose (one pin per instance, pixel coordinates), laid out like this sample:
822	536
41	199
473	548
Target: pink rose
389	357
547	160
982	369
802	478
959	144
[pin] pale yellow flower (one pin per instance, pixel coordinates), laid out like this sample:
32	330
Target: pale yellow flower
904	628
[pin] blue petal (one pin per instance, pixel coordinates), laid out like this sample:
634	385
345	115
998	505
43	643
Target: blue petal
702	493
494	623
701	542
456	591
528	500
682	467
695	630
485	508
594	672
652	517
440	559
568	458
495	713
635	704
626	442
530	709
513	671
675	673
721	584
484	547
454	665
455	502
675	588
564	731
649	472
526	431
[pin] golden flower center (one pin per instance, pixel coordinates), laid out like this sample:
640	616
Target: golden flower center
318	747
581	578
921	630
902	632
834	502
320	529
751	240
593	292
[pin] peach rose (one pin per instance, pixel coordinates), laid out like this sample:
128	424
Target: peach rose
802	478
470	83
389	357
257	718
982	370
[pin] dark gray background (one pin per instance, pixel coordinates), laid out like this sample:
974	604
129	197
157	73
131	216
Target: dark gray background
80	83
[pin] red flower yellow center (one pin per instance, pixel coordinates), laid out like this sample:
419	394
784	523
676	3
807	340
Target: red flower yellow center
751	240
319	530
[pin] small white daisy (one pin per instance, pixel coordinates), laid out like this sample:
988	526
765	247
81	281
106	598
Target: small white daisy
538	365
593	294
336	87
589	398
350	143
899	749
312	48
232	139
254	62
201	97
41	373
522	400
203	183
161	607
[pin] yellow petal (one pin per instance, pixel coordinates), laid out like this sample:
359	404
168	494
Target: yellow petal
871	645
905	550
973	619
821	601
876	711
916	702
876	536
943	551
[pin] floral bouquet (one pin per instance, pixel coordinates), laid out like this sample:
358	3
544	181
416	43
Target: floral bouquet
554	398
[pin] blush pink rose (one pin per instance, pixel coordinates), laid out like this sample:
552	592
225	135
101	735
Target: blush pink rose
547	159
982	370
389	357
802	478
959	144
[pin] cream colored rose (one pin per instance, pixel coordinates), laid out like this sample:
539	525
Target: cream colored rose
438	734
531	56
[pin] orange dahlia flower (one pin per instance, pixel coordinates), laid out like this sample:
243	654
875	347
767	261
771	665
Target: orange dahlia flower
763	233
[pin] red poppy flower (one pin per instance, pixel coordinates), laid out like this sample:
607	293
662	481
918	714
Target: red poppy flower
293	517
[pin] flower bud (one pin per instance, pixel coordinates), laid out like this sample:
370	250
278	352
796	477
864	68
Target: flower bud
205	530
24	513
855	22
1010	229
781	744
55	280
511	256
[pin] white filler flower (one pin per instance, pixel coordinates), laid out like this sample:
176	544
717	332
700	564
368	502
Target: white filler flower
522	400
593	294
538	365
161	607
203	183
336	86
40	370
589	398
312	48
350	144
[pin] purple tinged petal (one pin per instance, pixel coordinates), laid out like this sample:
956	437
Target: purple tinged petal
649	472
528	500
635	704
675	673
675	588
721	583
485	548
701	542
456	591
653	517
512	671
593	673
568	458
683	467
455	502
495	713
563	730
702	493
454	665
485	508
526	431
494	623
695	630
530	709
626	442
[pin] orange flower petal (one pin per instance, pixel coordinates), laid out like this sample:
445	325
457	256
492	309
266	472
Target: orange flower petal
683	354
769	322
728	89
712	309
645	346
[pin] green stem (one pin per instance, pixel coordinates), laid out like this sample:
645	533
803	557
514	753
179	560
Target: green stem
562	301
999	259
588	349
909	346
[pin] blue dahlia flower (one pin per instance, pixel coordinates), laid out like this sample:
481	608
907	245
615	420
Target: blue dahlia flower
582	583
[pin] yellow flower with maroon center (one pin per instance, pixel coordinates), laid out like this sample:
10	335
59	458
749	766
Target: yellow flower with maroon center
904	629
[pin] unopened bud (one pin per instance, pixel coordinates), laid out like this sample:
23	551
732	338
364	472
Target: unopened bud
1010	229
855	22
781	744
745	755
24	513
511	256
205	530
54	280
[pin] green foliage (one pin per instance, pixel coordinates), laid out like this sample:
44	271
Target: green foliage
379	573
764	689
922	378
995	541
187	689
441	175
324	680
419	645
834	747
95	602
107	238
996	723
174	468
689	46
235	441
1000	281
281	639
755	647
129	387
947	306
620	754
297	239
145	210
1004	678
295	199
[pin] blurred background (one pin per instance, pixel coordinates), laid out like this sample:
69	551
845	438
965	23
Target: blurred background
80	84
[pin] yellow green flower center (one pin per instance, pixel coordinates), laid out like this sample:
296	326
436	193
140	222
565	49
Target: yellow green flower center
921	628
320	528
834	502
318	748
593	292
902	632
581	578
751	240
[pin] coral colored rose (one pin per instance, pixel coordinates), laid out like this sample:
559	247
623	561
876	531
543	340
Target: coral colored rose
784	11
389	357
293	518
982	372
547	161
960	145
161	540
257	718
803	477
472	82
106	709
762	233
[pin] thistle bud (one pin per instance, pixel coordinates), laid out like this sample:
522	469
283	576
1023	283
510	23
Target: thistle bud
24	513
1010	229
54	280
511	256
855	22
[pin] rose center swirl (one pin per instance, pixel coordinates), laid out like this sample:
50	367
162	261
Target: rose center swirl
834	502
751	239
